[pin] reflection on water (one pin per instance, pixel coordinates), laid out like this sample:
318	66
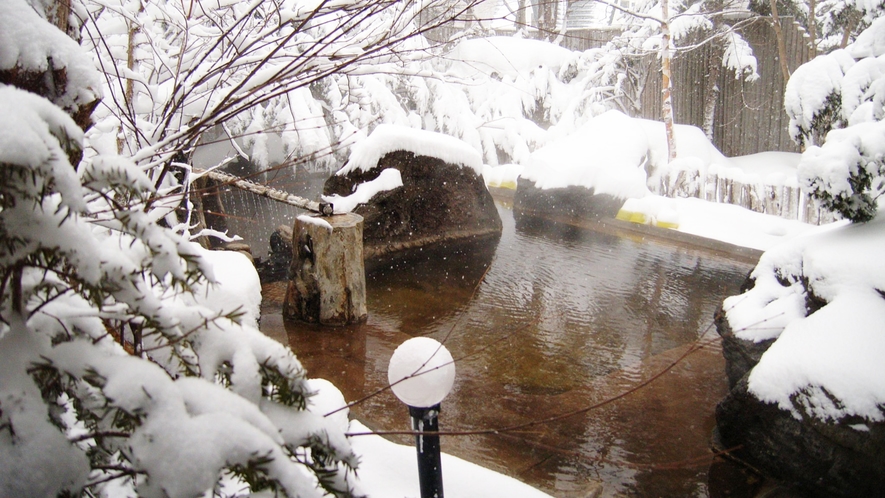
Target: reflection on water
563	319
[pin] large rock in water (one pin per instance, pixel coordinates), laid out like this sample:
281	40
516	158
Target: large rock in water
438	202
571	201
824	458
587	174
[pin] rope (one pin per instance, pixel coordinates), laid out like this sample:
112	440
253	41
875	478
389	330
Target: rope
324	208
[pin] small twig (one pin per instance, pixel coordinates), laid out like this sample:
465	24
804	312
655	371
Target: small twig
95	435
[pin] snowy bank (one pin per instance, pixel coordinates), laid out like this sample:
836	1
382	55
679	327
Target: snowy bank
804	348
505	55
388	469
820	296
723	222
607	155
626	158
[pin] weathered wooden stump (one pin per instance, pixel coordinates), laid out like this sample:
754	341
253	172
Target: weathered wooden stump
327	280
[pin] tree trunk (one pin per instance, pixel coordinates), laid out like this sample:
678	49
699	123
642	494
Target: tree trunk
327	276
853	18
667	102
781	45
520	15
711	92
812	26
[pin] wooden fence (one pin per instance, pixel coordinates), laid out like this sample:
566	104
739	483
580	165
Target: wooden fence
781	200
749	116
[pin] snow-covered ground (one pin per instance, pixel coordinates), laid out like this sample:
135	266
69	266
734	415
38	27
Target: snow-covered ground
391	470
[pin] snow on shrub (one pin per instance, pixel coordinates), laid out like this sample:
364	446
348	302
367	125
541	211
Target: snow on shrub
122	364
835	103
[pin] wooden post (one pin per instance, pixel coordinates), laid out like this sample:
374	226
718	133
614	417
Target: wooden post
327	279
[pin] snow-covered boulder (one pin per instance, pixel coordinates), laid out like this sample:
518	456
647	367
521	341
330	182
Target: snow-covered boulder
414	188
588	173
612	158
804	347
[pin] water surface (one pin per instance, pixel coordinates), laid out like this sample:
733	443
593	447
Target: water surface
550	319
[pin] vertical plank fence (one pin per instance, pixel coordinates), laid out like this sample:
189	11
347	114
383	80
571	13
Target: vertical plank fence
749	116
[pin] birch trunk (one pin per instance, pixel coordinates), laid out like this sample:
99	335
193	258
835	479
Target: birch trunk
667	101
781	45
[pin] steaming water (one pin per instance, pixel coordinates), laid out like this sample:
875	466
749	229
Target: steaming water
255	218
564	318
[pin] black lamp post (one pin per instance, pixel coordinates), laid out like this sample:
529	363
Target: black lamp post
421	373
426	422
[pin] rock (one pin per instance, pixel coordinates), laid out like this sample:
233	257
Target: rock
740	355
822	457
570	201
438	202
240	247
276	266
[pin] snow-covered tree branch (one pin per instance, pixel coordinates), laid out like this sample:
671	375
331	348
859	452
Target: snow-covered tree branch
123	362
835	104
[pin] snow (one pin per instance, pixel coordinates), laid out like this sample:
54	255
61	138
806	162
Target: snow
391	470
30	43
830	165
388	469
621	156
502	176
768	168
739	58
829	360
810	86
33	134
421	372
236	285
505	55
607	155
388	179
315	220
723	222
390	138
871	42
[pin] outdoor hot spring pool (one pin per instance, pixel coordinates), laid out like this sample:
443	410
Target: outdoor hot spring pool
550	319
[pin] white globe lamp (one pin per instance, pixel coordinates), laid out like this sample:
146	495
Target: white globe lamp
421	372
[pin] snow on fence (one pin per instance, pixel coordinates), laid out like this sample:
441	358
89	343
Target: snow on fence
779	199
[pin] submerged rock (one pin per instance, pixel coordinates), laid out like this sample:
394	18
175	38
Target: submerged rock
276	266
824	458
437	202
